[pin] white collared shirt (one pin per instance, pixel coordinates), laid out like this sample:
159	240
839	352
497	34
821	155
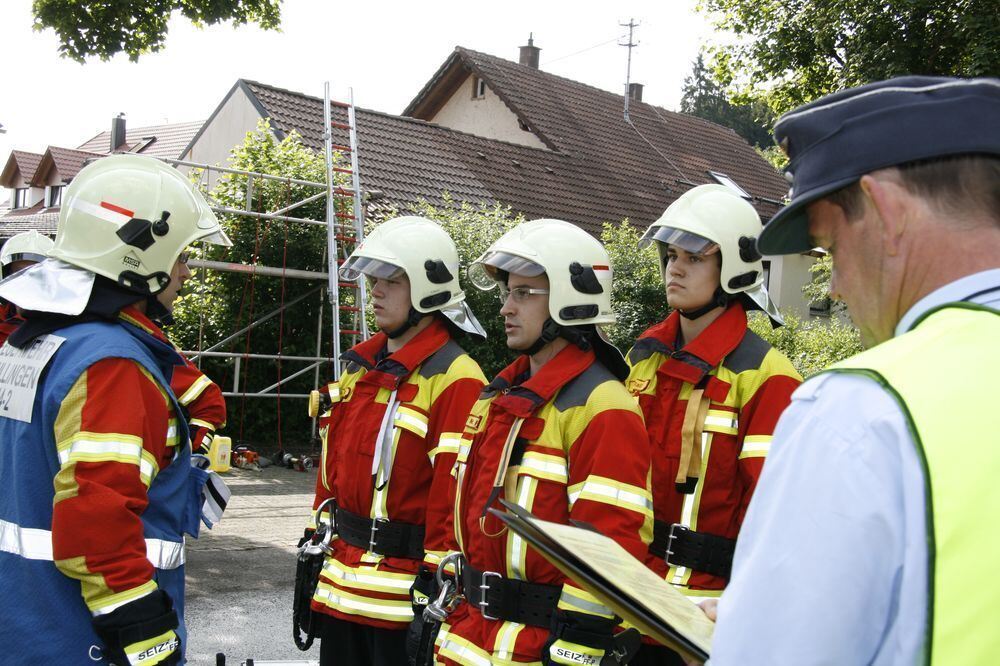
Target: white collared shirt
831	562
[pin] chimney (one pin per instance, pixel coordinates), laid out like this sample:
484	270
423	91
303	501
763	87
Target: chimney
117	132
635	92
529	53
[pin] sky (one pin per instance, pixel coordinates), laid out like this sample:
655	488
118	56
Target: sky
384	51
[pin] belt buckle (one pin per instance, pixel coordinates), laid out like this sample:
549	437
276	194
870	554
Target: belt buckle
373	534
484	587
676	530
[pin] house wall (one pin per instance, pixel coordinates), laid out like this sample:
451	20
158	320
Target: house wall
789	273
35	194
227	130
487	116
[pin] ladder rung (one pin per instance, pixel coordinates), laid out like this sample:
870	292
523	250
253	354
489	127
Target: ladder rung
343	190
334	123
348	285
345	216
342	149
345	331
349	308
346	239
341	170
342	105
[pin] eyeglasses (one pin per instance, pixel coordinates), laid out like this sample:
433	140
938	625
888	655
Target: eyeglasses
520	294
184	257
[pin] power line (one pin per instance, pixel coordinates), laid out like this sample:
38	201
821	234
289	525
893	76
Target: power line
589	48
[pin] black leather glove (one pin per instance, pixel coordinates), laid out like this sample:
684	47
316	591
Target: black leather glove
578	638
306	536
141	631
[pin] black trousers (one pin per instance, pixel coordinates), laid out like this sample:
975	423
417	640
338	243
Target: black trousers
345	643
656	655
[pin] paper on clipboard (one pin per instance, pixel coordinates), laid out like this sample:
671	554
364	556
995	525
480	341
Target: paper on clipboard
617	579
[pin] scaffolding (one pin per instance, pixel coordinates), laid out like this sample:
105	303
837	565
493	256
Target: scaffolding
344	230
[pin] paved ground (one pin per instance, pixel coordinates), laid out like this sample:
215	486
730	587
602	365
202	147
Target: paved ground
240	574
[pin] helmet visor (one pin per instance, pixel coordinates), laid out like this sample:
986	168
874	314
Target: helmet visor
685	240
485	272
24	256
217	237
356	266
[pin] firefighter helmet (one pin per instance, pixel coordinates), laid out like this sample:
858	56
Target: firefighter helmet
424	251
712	215
129	217
25	246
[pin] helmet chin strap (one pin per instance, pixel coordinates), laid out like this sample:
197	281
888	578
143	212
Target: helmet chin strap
552	330
720	299
412	319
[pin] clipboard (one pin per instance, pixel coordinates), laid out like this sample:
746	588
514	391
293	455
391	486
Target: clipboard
601	566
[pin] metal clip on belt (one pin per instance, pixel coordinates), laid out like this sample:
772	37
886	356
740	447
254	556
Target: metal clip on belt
500	598
378	535
699	551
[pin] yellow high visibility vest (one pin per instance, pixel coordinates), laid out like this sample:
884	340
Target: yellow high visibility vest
944	374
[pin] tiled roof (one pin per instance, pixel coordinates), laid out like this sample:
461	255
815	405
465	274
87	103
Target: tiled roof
24	162
37	217
171	140
67	162
588	124
598	168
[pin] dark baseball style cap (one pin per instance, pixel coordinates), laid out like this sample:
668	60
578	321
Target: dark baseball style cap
835	140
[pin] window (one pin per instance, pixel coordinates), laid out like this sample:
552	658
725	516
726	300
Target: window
730	183
523	125
21	197
478	88
53	195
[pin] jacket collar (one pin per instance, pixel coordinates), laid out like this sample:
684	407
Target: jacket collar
698	357
522	394
402	362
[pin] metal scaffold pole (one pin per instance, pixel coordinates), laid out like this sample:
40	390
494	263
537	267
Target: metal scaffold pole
359	221
333	289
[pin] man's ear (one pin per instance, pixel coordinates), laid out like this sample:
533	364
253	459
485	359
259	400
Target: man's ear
891	202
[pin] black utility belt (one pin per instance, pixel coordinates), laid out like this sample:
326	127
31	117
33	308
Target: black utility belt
699	551
385	537
500	598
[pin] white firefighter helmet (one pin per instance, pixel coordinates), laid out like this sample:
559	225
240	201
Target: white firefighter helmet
577	265
25	246
129	217
713	215
425	252
579	272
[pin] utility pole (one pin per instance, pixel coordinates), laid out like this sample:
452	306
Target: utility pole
631	25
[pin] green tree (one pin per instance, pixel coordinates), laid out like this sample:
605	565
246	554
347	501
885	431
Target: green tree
135	27
811	345
637	296
788	52
705	98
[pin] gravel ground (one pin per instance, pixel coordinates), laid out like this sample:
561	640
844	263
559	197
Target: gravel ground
240	574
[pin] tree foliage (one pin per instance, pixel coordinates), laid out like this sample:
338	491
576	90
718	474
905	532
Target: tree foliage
637	295
788	52
811	345
135	27
705	98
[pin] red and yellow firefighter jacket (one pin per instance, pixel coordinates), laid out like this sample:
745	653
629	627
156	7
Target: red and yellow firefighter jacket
200	397
566	442
711	408
426	389
9	320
